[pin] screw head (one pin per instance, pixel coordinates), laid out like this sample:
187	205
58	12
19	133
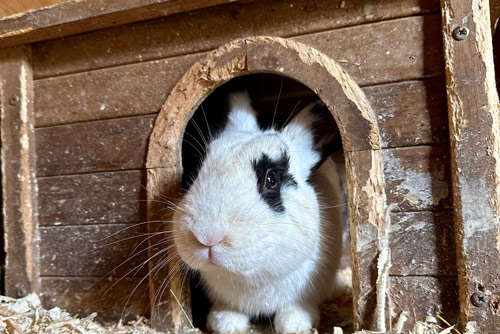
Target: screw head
21	292
460	33
14	100
479	299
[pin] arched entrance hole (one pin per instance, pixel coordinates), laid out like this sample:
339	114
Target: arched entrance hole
360	141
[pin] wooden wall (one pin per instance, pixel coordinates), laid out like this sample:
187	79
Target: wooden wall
97	95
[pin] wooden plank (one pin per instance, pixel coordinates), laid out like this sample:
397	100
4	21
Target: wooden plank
208	29
130	90
85	295
475	160
116	197
365	193
423	243
410	113
399	107
167	313
418	178
73	17
386	55
18	166
95	250
142	89
20	6
93	146
421	296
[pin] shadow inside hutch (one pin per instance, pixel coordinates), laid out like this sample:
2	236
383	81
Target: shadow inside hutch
276	99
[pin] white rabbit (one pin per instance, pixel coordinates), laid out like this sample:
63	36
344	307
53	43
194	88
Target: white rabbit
264	233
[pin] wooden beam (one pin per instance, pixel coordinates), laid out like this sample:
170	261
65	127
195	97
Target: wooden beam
18	172
474	123
77	16
8	8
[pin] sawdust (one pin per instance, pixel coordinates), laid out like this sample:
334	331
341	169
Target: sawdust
27	316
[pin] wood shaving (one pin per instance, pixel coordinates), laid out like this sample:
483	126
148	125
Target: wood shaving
27	316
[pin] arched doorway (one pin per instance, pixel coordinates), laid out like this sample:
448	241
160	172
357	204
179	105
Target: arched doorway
360	139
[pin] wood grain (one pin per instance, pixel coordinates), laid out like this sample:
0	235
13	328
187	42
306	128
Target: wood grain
85	295
423	296
410	113
166	182
18	6
18	167
99	198
142	88
206	30
93	146
95	250
386	55
365	191
423	243
73	17
130	90
119	197
418	178
475	160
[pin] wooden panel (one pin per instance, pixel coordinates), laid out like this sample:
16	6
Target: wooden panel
130	90
475	149
418	178
365	193
75	17
207	29
410	113
423	243
97	250
93	146
18	165
21	6
387	53
85	295
422	296
170	317
117	197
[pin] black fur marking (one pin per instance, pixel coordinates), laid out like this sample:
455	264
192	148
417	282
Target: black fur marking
283	177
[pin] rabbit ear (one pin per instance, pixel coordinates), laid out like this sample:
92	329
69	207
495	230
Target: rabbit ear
242	117
314	136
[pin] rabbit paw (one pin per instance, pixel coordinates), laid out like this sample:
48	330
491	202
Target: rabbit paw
225	321
296	319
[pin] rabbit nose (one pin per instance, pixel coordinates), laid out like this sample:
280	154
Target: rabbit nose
209	241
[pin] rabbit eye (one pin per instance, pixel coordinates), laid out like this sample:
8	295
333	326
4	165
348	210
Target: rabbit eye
271	181
271	176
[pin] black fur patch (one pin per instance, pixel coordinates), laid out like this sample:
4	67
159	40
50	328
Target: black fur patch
283	177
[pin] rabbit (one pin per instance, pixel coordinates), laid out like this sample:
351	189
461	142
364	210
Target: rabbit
262	223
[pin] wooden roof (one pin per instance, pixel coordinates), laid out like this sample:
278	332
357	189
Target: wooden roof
77	16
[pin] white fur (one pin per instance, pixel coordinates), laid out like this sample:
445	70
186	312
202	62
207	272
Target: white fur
263	261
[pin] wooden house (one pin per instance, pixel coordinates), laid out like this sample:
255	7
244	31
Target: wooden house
96	95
